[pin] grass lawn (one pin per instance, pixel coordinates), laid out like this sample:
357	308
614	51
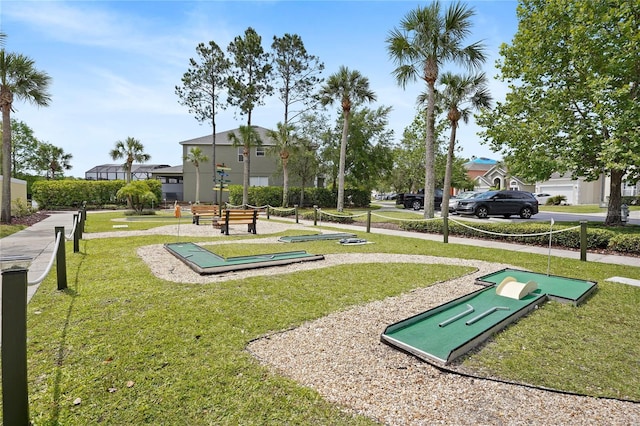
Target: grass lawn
581	208
121	346
6	230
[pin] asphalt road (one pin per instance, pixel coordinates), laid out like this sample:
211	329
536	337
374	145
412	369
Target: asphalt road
634	218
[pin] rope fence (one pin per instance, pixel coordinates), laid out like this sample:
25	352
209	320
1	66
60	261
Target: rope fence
501	234
318	214
15	388
50	264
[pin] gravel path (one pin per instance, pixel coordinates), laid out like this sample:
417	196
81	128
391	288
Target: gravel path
342	358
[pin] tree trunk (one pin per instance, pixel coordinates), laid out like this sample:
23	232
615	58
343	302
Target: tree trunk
129	199
446	191
615	199
302	185
285	184
198	185
213	156
429	160
5	214
343	159
246	151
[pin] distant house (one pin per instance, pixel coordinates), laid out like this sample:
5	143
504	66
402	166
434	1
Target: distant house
489	174
171	180
117	171
264	167
576	191
479	166
497	177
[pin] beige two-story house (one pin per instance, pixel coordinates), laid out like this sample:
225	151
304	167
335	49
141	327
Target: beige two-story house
263	167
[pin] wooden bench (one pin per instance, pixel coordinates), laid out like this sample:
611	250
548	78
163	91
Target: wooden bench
237	216
205	211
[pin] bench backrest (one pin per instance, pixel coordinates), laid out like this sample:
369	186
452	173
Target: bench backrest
240	214
204	209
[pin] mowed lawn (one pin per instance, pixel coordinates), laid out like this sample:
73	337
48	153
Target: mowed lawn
121	346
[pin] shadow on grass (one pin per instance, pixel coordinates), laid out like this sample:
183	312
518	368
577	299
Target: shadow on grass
73	293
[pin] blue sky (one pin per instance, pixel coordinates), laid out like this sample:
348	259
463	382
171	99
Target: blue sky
115	64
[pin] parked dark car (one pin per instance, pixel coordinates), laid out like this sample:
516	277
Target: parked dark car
416	201
500	203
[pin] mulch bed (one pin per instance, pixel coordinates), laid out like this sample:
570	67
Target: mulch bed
30	219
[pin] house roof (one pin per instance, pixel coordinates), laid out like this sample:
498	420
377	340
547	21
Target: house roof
135	168
222	138
173	170
480	163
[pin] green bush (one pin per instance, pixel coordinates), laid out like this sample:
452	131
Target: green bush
52	194
65	194
520	233
556	200
139	192
625	243
258	195
265	196
281	212
321	197
155	186
20	208
631	201
333	217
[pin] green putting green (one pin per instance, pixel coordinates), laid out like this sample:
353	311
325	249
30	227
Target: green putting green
448	331
561	289
315	237
205	262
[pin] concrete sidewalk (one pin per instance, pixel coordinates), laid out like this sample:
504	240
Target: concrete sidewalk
37	242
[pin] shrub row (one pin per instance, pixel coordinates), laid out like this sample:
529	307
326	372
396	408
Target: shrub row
625	243
335	218
53	194
596	238
321	197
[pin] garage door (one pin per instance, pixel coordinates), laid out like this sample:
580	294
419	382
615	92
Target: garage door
566	190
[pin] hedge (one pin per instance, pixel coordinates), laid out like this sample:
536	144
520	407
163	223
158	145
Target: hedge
321	197
52	194
596	238
625	243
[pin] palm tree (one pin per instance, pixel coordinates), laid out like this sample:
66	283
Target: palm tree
248	137
424	42
19	80
469	90
284	145
349	88
195	157
132	151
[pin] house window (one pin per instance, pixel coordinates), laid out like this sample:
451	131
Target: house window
259	151
240	156
259	181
